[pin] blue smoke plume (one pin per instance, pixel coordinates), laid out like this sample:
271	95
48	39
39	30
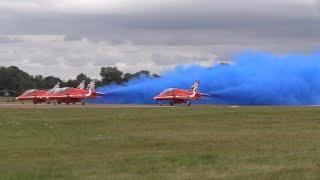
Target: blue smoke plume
254	78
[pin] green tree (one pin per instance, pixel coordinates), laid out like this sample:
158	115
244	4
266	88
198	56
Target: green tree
75	82
71	83
82	77
111	74
155	75
38	81
138	74
145	72
127	77
17	79
50	81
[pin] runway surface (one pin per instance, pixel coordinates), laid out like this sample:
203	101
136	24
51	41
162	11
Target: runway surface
29	105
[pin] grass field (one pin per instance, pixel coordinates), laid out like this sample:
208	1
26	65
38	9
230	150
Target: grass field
160	143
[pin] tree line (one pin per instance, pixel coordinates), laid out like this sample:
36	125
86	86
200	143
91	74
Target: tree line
15	81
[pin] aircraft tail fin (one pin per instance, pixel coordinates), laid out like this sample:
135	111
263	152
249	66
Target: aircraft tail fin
92	85
195	86
82	85
56	86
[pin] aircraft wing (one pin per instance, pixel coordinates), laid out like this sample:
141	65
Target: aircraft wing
75	96
182	97
171	97
187	97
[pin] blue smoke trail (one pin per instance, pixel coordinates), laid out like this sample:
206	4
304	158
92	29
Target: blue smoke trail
253	79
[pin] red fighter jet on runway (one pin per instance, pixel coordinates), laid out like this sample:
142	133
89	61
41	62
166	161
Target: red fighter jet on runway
72	95
178	96
45	97
35	95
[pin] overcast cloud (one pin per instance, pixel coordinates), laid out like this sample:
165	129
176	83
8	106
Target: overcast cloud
66	37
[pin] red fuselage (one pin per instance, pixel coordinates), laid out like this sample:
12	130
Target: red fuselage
177	96
71	95
33	94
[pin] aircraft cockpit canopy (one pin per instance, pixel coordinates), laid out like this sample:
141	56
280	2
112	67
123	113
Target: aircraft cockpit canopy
60	90
169	90
30	91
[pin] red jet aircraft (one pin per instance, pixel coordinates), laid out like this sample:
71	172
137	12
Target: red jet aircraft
45	97
178	96
35	95
72	95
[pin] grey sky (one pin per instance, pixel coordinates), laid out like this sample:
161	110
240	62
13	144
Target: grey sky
66	37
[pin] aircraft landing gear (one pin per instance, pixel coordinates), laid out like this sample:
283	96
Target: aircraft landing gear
171	103
160	103
188	103
82	102
67	103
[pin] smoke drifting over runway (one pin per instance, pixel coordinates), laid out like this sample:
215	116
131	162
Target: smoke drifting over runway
252	79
